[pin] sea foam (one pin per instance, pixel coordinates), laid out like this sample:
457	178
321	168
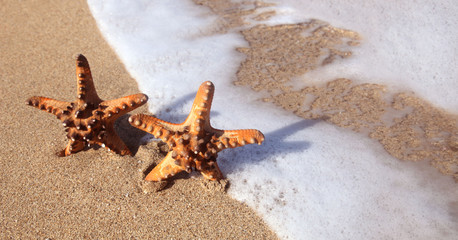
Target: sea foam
309	180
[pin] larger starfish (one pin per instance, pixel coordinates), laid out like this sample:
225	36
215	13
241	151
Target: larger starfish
89	120
193	143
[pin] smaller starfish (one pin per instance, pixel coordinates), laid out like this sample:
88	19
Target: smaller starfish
89	120
193	143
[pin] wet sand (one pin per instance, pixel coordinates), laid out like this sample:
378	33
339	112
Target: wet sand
407	126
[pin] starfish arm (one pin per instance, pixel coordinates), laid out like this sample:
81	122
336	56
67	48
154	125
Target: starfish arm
114	143
165	169
86	89
72	147
118	107
50	105
237	138
211	171
159	128
200	111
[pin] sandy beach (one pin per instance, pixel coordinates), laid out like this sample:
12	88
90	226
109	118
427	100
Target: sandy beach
94	194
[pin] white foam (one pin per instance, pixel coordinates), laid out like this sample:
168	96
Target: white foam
309	180
408	45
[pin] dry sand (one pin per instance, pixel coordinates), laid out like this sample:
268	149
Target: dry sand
93	194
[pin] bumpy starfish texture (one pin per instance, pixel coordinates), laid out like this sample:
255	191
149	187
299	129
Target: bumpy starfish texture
193	143
89	120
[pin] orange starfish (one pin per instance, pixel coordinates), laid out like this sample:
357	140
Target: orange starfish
193	143
89	120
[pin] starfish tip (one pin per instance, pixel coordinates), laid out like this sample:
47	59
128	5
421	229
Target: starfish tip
207	85
144	98
81	57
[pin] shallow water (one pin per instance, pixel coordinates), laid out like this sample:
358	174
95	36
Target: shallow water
309	179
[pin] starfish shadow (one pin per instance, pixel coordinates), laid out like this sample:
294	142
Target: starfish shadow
168	113
131	136
234	159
